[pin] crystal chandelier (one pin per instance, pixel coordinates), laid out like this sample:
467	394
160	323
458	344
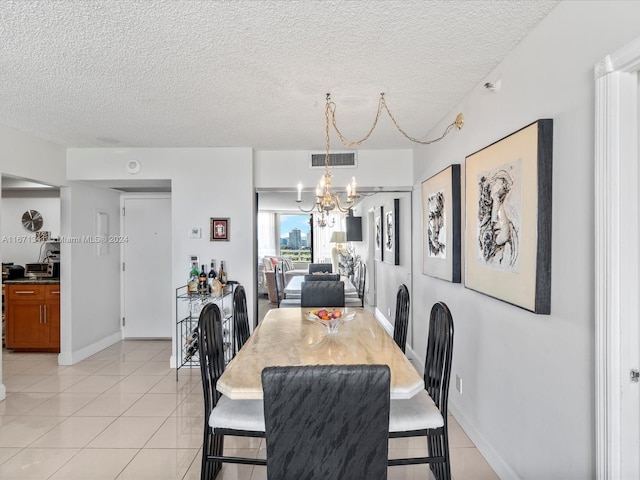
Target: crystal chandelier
326	200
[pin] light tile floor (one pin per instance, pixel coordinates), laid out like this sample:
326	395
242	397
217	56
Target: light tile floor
120	414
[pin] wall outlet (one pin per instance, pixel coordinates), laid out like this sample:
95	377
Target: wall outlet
459	384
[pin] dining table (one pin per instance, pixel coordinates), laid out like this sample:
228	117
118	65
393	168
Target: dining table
294	287
289	337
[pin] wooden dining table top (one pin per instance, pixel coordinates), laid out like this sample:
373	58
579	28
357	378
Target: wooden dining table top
286	337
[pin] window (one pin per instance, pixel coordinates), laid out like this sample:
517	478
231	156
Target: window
295	237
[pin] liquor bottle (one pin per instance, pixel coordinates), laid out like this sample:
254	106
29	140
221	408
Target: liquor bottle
212	272
203	285
192	285
222	274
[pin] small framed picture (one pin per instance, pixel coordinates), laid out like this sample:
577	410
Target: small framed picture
220	229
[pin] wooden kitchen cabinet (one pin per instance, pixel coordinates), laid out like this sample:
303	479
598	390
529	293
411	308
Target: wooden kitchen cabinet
32	316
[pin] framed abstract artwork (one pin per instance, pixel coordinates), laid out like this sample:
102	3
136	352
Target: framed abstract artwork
219	229
508	218
441	225
391	226
378	250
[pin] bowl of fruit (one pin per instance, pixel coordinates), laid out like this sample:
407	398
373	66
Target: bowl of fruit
331	318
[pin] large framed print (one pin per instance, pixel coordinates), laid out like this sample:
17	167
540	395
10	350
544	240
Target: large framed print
392	232
508	218
441	225
378	250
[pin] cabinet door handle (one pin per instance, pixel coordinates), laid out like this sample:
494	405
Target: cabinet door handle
40	309
24	292
45	314
55	292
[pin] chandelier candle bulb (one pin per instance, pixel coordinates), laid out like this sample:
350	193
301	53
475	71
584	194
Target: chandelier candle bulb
299	192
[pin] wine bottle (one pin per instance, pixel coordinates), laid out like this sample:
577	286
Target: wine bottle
222	275
191	338
203	285
192	285
212	272
191	351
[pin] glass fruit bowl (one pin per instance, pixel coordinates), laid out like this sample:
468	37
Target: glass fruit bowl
331	318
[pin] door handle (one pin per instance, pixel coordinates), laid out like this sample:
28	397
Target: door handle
45	314
40	310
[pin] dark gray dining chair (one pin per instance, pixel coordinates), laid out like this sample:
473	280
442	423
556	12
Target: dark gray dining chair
240	318
283	301
401	322
320	267
222	416
322	294
319	278
326	422
425	414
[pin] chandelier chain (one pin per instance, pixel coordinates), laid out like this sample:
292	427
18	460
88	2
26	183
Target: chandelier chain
382	104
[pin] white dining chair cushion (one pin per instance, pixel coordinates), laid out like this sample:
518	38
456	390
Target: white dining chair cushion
416	413
353	301
290	302
238	415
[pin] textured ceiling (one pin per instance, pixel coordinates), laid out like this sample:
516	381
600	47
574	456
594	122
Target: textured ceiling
187	73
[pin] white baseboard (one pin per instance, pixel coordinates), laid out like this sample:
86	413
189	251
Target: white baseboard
71	358
386	324
411	355
502	469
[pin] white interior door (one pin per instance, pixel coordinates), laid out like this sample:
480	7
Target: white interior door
146	281
617	282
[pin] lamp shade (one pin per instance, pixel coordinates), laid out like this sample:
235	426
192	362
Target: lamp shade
354	229
338	237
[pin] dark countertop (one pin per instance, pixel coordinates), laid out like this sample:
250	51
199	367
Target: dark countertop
33	281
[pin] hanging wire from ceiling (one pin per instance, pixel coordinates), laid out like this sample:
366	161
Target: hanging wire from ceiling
382	105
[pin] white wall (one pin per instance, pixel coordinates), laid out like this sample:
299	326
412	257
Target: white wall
13	207
25	156
388	277
283	169
90	302
205	183
528	380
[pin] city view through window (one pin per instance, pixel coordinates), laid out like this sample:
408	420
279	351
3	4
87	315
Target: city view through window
295	237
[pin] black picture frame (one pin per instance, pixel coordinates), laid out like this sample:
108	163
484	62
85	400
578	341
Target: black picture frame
508	218
442	225
391	227
378	233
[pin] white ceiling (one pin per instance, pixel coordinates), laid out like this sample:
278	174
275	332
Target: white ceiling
169	73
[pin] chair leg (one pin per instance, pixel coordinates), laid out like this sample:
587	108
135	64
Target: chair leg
212	445
438	445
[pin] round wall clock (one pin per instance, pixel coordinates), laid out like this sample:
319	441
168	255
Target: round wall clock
32	220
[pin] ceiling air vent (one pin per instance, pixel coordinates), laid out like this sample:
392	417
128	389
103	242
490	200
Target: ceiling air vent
343	159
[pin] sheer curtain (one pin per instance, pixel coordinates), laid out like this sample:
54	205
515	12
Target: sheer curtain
267	234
